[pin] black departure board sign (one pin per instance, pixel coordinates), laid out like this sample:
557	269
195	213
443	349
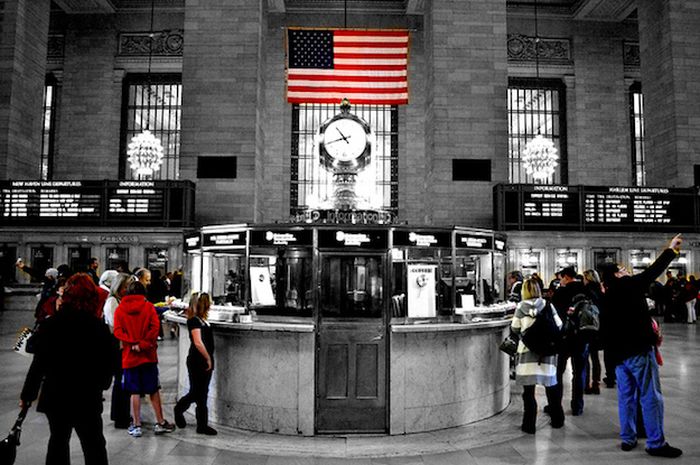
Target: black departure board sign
192	242
37	203
282	238
532	207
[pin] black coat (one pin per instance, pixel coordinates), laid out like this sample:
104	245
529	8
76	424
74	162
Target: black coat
72	363
625	319
564	295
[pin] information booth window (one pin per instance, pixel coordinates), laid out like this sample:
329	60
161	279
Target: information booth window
79	258
223	266
41	260
281	273
604	257
8	258
474	271
421	274
352	287
117	256
681	265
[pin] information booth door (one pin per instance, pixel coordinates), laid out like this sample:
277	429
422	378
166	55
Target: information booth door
351	381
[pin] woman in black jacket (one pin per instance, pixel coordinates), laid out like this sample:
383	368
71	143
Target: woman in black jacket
69	366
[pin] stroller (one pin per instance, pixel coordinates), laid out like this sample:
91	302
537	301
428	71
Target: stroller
8	446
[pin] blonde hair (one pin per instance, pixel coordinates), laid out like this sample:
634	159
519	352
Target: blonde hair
201	308
192	305
531	289
591	276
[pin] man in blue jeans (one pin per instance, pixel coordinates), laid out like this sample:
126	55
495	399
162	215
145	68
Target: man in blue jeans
629	338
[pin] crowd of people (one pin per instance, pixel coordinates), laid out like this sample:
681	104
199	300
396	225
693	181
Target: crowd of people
108	328
623	328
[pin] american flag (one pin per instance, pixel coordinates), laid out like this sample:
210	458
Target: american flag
366	66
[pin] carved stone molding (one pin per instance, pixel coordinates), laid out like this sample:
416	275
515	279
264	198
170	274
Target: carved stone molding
631	53
522	48
56	46
165	43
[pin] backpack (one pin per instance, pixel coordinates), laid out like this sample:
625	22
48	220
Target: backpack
543	337
585	319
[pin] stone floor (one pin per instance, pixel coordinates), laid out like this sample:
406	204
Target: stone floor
588	439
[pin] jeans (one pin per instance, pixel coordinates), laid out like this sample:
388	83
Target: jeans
638	382
579	353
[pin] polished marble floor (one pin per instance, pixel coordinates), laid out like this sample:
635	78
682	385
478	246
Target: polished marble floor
588	439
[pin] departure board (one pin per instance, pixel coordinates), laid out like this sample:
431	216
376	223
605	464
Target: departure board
533	207
96	202
649	208
550	205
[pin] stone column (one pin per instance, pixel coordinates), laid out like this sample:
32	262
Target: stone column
466	95
223	104
669	38
24	29
90	103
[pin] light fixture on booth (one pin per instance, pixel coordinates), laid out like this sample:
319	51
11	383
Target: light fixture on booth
540	157
145	151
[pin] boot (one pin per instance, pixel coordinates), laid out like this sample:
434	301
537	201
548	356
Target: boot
529	414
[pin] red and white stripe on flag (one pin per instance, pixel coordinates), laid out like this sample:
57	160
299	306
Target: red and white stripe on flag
367	67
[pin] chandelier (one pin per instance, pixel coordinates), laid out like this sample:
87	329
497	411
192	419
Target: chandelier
540	157
145	152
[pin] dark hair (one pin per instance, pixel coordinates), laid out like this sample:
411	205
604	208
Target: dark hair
136	288
80	293
569	271
517	275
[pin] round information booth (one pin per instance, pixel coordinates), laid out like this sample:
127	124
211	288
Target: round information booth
326	329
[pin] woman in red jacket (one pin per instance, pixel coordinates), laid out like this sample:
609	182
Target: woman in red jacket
136	326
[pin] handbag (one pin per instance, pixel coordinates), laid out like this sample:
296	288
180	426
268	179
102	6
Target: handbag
20	346
509	346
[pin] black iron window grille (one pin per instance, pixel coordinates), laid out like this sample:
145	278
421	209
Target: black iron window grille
535	106
639	173
161	102
311	182
48	129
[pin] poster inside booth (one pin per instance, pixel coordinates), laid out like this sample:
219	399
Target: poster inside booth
421	291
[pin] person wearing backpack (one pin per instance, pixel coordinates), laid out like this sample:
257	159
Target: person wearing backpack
532	368
629	335
594	289
573	346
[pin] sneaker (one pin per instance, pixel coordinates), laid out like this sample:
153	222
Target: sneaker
628	446
162	428
179	418
665	451
207	430
135	431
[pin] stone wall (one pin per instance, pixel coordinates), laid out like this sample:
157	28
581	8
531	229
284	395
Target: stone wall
466	106
24	27
670	61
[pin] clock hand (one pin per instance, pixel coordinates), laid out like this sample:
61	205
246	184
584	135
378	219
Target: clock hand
336	140
341	134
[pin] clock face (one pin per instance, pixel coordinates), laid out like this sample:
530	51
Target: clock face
345	139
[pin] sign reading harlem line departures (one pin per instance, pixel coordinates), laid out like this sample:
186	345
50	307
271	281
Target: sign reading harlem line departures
597	208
